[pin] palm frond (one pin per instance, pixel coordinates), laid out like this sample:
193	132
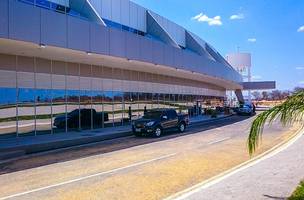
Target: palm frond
292	110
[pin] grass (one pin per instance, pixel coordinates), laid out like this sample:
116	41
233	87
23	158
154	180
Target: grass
298	194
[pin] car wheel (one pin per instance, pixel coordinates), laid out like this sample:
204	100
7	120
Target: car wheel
181	127
158	132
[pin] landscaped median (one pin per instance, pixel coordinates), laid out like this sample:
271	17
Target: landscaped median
298	194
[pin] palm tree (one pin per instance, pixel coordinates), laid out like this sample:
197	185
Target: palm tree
292	110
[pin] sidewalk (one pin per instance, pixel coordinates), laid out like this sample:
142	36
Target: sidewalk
14	147
273	178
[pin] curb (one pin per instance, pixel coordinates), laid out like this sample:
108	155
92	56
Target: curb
8	153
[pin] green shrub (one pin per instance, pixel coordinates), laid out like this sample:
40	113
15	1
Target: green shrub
298	194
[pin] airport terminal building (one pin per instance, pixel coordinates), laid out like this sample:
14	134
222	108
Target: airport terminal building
104	61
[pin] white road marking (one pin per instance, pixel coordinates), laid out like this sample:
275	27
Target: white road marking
214	180
87	177
25	125
218	141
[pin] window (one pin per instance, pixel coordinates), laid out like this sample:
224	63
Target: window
8	115
171	114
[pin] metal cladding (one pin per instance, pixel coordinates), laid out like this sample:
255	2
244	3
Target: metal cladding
120	29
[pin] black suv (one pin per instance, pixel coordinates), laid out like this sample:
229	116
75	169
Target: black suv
72	118
155	121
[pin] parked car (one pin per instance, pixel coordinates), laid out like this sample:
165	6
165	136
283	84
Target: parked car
246	109
72	118
156	121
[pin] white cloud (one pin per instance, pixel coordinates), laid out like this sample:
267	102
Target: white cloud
301	29
212	21
252	40
301	82
256	77
238	16
299	68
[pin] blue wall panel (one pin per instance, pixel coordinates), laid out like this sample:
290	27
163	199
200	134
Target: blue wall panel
145	51
132	46
117	43
157	52
99	39
53	28
24	22
78	34
4	18
169	55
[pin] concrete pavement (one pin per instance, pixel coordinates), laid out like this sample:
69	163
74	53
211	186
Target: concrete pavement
273	178
153	170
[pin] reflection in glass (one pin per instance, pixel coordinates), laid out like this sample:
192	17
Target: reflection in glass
149	101
59	111
118	108
134	105
155	101
127	107
73	112
7	112
161	101
26	111
108	108
43	111
142	107
167	100
173	102
86	114
99	117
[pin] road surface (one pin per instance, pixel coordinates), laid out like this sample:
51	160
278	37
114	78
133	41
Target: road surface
135	168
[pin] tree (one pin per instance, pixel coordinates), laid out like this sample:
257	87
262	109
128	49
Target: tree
276	95
256	95
290	111
265	95
297	89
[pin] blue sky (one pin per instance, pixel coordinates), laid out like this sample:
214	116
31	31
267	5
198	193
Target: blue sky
272	26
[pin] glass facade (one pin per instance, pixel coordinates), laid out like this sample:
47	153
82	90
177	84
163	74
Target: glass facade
36	110
50	98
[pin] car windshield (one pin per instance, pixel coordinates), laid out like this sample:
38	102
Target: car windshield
152	115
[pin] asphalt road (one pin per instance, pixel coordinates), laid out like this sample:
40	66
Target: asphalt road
134	168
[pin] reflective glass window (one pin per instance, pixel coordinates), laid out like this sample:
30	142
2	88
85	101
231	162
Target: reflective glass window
155	98
97	110
142	106
118	108
43	111
127	107
59	111
86	114
8	113
108	108
26	111
161	101
73	112
134	105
